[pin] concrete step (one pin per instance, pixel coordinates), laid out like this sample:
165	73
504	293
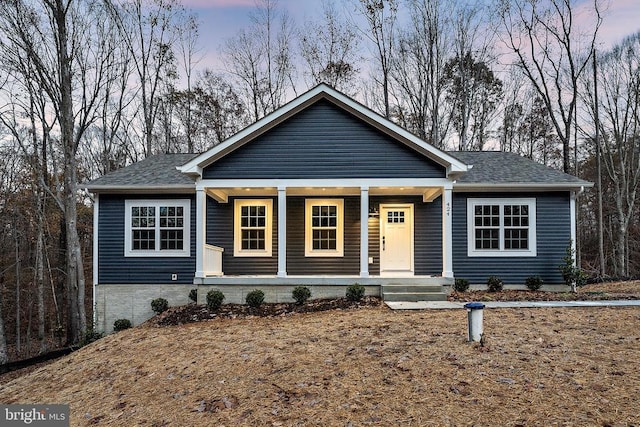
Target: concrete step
410	288
408	292
414	296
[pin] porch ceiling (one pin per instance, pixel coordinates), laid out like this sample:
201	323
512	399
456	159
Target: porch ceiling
428	193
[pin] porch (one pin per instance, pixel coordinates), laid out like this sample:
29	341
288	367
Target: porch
279	289
364	249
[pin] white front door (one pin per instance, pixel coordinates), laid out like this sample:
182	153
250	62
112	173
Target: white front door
396	239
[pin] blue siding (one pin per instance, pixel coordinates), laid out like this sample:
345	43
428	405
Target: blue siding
553	226
297	263
115	268
323	141
220	233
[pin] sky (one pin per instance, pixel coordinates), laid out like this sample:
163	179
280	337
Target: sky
221	20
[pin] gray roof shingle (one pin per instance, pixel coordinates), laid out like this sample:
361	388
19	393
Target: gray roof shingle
153	172
489	167
497	167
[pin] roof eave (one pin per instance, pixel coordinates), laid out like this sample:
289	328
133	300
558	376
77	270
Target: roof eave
141	189
519	186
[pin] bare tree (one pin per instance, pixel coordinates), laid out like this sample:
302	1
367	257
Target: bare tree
419	92
619	119
52	43
330	50
260	59
381	17
149	30
552	54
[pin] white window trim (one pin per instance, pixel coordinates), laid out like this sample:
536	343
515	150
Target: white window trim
237	235
308	239
186	228
502	252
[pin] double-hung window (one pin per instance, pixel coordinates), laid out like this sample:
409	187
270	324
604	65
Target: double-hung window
501	227
157	228
324	227
253	227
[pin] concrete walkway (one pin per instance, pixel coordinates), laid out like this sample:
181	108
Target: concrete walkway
424	305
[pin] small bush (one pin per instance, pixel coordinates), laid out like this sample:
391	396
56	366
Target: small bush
355	292
301	294
495	284
159	305
461	285
121	325
255	298
214	300
534	283
193	295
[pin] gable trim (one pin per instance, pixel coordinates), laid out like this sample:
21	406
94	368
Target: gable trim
322	91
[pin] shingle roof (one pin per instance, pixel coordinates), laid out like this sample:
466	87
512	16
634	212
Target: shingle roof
497	167
489	167
153	172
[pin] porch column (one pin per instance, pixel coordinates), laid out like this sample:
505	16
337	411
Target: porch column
447	238
282	232
364	232
201	229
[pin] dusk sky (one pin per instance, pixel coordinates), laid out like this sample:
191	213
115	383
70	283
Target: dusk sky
221	19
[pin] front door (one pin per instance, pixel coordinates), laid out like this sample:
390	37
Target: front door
396	239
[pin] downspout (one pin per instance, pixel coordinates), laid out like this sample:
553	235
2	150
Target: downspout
96	211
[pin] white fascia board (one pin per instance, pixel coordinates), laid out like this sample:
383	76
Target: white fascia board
530	186
315	183
453	165
137	189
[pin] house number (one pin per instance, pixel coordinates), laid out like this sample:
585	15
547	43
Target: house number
448	209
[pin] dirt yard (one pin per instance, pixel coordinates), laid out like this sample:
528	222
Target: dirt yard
355	367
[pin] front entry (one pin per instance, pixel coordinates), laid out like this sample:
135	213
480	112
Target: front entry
396	239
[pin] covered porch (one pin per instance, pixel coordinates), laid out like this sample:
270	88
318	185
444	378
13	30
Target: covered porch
374	210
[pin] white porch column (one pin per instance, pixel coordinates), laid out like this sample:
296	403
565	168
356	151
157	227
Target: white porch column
282	232
573	221
447	234
201	230
364	231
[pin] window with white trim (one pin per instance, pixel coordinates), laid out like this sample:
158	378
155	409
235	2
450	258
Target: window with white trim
501	227
157	228
324	227
252	233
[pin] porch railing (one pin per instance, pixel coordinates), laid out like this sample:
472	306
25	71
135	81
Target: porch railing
213	260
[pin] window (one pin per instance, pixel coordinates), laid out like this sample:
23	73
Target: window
324	225
501	227
157	228
253	225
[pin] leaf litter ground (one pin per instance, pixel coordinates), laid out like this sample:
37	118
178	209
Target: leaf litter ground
353	367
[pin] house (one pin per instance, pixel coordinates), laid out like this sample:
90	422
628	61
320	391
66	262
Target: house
323	192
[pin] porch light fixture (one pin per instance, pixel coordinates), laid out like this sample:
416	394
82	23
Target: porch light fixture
373	212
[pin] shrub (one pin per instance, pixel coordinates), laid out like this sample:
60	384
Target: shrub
573	276
159	305
495	284
193	295
461	285
255	298
534	283
214	300
121	325
301	294
355	292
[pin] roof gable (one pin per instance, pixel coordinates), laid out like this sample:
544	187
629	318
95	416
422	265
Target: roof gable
323	92
323	141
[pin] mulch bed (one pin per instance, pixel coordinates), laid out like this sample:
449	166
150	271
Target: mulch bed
197	313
